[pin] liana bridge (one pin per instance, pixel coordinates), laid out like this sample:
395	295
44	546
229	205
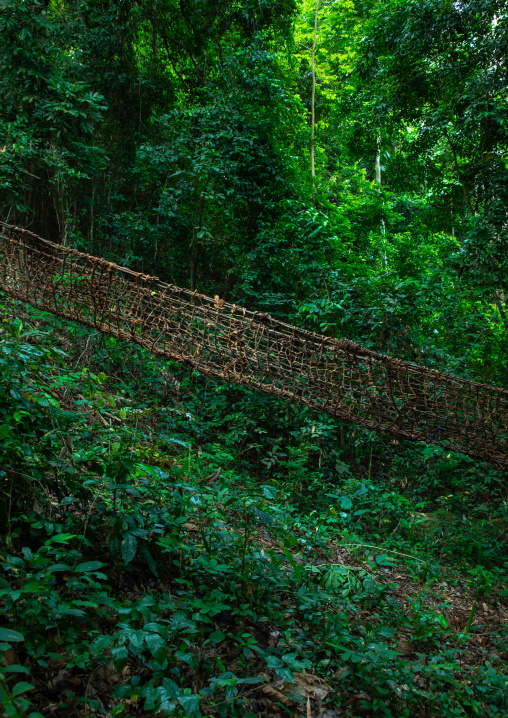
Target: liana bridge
228	342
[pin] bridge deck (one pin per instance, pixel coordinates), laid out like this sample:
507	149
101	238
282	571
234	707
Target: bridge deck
225	341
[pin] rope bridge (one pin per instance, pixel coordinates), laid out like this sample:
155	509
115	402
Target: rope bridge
225	341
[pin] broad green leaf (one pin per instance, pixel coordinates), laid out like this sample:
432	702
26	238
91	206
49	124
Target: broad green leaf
21	687
217	637
129	547
60	538
15	668
149	559
273	662
190	704
120	654
270	492
285	673
155	643
58	567
89	566
10	635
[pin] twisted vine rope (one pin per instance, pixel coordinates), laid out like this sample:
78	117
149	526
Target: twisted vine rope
225	341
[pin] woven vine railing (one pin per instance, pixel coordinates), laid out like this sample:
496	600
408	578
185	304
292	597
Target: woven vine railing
225	341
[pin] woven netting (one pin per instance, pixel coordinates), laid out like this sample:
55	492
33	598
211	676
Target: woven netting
225	341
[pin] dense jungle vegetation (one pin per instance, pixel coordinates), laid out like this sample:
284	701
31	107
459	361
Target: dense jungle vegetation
173	546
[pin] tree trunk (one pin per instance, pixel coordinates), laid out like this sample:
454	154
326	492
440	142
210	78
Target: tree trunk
377	169
195	246
313	101
378	161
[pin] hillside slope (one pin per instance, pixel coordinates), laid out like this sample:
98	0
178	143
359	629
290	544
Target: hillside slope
175	546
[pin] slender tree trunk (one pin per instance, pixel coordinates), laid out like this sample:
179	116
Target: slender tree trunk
196	246
313	100
155	39
378	161
92	215
377	169
194	266
499	302
459	177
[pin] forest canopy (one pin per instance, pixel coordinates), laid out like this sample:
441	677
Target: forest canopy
175	138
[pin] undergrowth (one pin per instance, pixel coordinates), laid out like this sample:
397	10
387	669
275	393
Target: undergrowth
174	546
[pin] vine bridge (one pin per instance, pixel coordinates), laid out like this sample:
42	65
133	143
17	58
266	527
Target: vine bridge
228	342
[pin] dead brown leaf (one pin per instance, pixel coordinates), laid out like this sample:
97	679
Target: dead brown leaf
405	647
214	476
312	686
277	696
108	673
9	658
305	688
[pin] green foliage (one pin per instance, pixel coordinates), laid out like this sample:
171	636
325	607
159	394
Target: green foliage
190	555
48	116
172	545
435	68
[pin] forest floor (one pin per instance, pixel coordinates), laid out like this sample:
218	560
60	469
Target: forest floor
178	547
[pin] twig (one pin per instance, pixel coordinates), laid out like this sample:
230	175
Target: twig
381	550
241	695
468	351
86	348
